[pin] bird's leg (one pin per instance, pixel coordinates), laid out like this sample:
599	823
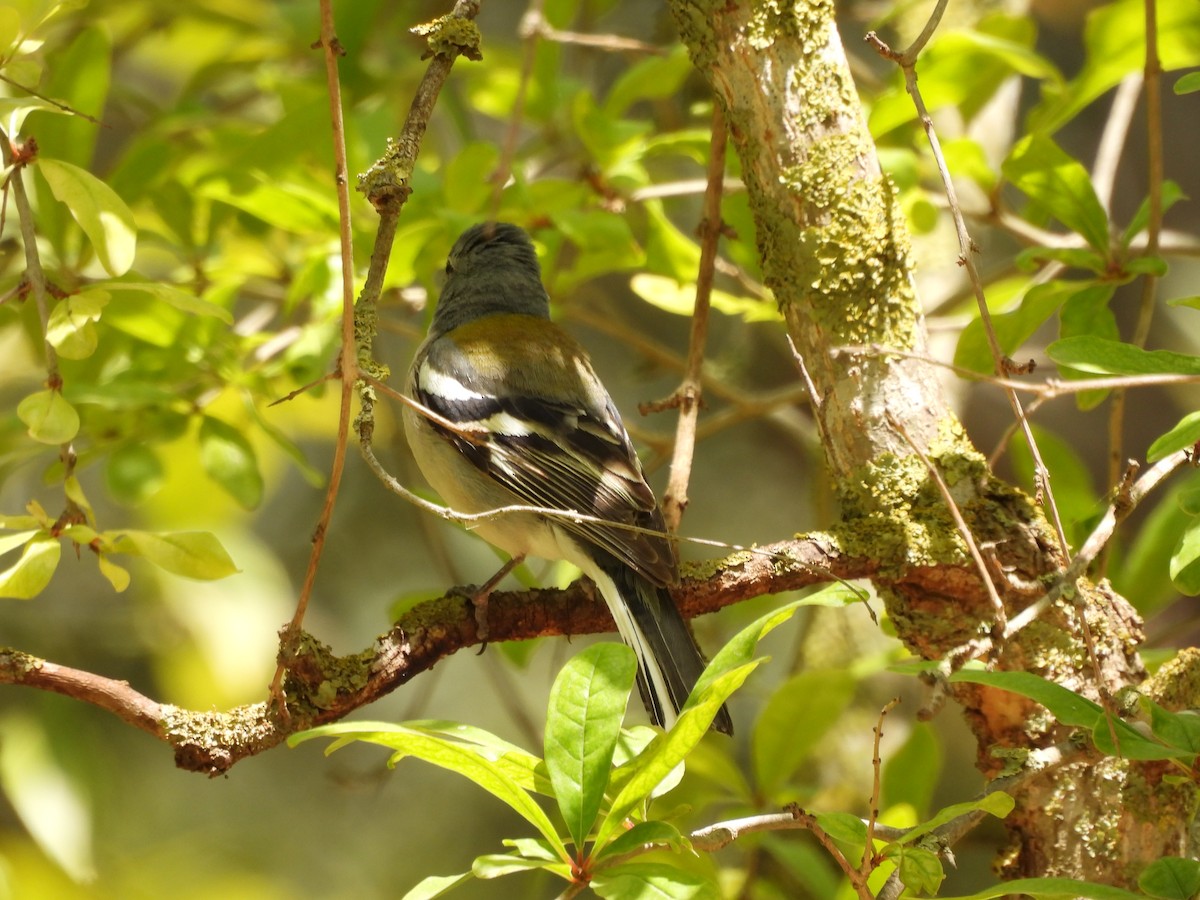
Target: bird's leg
479	599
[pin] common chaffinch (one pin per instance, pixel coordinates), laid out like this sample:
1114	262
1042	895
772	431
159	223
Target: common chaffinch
535	426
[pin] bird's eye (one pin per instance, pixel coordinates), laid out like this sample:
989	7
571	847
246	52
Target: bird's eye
449	267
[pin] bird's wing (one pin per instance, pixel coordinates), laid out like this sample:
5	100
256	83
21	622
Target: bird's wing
540	423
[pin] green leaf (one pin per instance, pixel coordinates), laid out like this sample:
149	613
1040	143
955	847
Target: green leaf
1105	357
643	835
1184	434
497	865
29	575
1188	84
1052	889
520	766
679	298
1067	706
10	542
1172	193
1115	38
193	554
1059	184
1184	567
70	327
13	110
1171	878
230	461
134	473
1178	729
817	698
102	215
844	827
1190	302
670	749
49	418
996	803
173	297
587	704
1012	327
652	881
1072	709
467	761
51	800
437	886
920	870
653	78
117	576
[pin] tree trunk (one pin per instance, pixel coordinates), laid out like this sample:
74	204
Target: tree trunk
835	252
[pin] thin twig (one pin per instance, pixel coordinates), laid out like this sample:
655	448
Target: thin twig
347	356
869	860
529	33
535	22
690	392
998	626
967	249
1152	81
58	103
1114	137
35	276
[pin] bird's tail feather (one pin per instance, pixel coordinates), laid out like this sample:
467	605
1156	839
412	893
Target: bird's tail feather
669	661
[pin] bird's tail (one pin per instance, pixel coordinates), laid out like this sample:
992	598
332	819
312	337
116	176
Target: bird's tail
669	662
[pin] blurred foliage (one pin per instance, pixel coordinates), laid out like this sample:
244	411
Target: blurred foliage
189	243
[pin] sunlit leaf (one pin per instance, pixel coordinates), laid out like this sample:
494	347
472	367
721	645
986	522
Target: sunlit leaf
102	215
193	554
49	418
652	880
51	801
1185	433
1059	184
1185	561
1171	878
1101	356
70	328
29	575
1051	889
587	705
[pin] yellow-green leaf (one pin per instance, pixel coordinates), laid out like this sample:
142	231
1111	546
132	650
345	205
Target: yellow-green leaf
29	575
49	418
70	328
102	215
117	576
193	554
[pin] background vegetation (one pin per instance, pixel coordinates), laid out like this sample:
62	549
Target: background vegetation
214	140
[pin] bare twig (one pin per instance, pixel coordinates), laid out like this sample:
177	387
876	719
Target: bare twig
1152	81
967	249
675	499
869	860
347	367
998	626
529	33
58	103
535	23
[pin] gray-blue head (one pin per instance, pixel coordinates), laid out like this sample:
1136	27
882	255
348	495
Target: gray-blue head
492	268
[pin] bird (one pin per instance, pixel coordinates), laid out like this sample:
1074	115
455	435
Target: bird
521	418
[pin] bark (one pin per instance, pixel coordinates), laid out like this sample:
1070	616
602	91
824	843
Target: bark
835	253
